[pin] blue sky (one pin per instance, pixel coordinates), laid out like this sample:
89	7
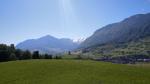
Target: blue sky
27	19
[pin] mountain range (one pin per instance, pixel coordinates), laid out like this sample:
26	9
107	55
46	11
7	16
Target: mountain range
130	29
128	37
48	44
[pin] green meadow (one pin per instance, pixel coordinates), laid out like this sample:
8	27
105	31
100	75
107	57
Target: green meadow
72	72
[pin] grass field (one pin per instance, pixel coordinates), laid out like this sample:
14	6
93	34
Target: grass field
72	72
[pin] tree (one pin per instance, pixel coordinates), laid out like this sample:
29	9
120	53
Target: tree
41	56
26	55
4	52
12	46
18	53
35	55
69	53
4	55
12	57
48	56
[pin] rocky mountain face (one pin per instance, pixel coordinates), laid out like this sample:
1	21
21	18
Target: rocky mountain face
130	29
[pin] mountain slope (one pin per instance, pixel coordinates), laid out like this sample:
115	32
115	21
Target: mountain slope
130	29
48	44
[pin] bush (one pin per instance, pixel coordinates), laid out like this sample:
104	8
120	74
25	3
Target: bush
79	57
35	55
58	57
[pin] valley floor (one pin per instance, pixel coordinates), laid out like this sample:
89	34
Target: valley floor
72	72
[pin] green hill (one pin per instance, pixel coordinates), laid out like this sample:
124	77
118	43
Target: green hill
139	47
72	72
128	37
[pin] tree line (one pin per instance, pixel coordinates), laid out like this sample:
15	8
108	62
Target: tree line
10	53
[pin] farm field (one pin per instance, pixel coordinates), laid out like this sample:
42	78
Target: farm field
72	72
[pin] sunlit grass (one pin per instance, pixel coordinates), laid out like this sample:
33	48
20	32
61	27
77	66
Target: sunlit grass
71	72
